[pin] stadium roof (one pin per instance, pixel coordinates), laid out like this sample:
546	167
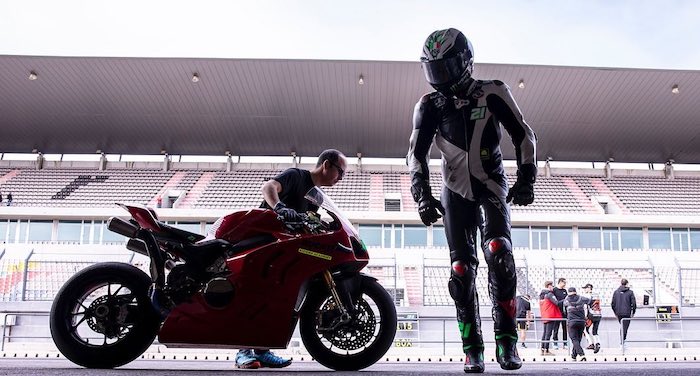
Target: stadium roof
274	107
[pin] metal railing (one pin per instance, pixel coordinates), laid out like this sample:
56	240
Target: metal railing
678	320
7	328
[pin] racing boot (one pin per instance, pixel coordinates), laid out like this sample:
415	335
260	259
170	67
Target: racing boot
507	351
474	359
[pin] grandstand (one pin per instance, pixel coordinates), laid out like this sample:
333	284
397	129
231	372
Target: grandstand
574	199
594	225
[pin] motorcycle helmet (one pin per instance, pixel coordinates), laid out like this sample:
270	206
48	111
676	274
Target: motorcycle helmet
447	60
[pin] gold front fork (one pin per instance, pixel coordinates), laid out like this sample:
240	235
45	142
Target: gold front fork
334	292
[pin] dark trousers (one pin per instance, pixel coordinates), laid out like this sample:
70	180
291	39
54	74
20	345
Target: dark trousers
575	333
593	329
547	333
463	218
625	325
563	332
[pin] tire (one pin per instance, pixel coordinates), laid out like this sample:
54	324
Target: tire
362	352
102	317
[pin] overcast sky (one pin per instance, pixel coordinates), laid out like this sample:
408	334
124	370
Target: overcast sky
626	33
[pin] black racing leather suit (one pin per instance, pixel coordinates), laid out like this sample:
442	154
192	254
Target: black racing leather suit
466	130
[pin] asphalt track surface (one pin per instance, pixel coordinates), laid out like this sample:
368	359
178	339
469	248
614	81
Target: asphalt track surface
62	367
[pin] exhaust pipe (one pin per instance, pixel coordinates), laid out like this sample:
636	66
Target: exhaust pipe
137	246
122	227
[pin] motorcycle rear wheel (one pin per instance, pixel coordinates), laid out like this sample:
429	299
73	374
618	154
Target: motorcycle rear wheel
102	317
357	345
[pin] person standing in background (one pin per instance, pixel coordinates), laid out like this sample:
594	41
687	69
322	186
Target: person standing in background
561	294
594	315
551	314
575	306
624	305
523	316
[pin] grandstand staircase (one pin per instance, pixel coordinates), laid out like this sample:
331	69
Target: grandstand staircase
583	199
406	197
198	188
11	174
414	286
376	192
171	184
603	189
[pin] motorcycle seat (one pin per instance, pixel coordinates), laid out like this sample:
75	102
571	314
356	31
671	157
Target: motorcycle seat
180	234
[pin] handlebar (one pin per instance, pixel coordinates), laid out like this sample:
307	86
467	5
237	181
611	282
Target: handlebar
309	222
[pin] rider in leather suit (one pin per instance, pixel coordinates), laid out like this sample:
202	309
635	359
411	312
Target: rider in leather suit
462	117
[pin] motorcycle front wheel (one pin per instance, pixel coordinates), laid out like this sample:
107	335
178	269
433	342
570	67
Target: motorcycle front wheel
102	316
357	344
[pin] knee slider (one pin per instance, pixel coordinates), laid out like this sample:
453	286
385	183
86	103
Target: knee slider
499	255
498	245
458	284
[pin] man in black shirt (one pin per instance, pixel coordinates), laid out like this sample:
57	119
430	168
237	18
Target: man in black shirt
523	316
561	294
285	195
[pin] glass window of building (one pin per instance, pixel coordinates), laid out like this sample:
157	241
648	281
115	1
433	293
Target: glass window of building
23	226
540	238
371	235
12	231
109	237
694	239
589	237
207	227
631	238
3	230
398	236
40	231
681	241
388	234
70	231
439	237
415	236
611	238
91	232
561	237
660	238
520	237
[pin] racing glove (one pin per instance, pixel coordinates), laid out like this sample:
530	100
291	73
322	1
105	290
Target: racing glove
523	191
289	214
428	208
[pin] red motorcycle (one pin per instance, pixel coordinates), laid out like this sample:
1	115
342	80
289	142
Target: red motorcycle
244	287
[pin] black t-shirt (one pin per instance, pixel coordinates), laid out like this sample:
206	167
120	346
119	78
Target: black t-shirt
522	306
295	183
561	294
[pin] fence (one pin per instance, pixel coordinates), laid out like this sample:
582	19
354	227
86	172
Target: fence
37	276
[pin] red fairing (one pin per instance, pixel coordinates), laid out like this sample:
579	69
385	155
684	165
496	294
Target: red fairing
267	281
245	224
143	216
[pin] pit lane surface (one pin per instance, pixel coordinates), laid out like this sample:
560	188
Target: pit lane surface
62	367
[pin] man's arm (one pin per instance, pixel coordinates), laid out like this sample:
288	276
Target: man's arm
424	128
524	140
633	302
270	191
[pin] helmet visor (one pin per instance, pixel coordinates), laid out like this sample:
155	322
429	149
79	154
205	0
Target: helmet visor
438	72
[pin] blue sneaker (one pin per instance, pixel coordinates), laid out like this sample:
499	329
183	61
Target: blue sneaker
247	359
269	359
